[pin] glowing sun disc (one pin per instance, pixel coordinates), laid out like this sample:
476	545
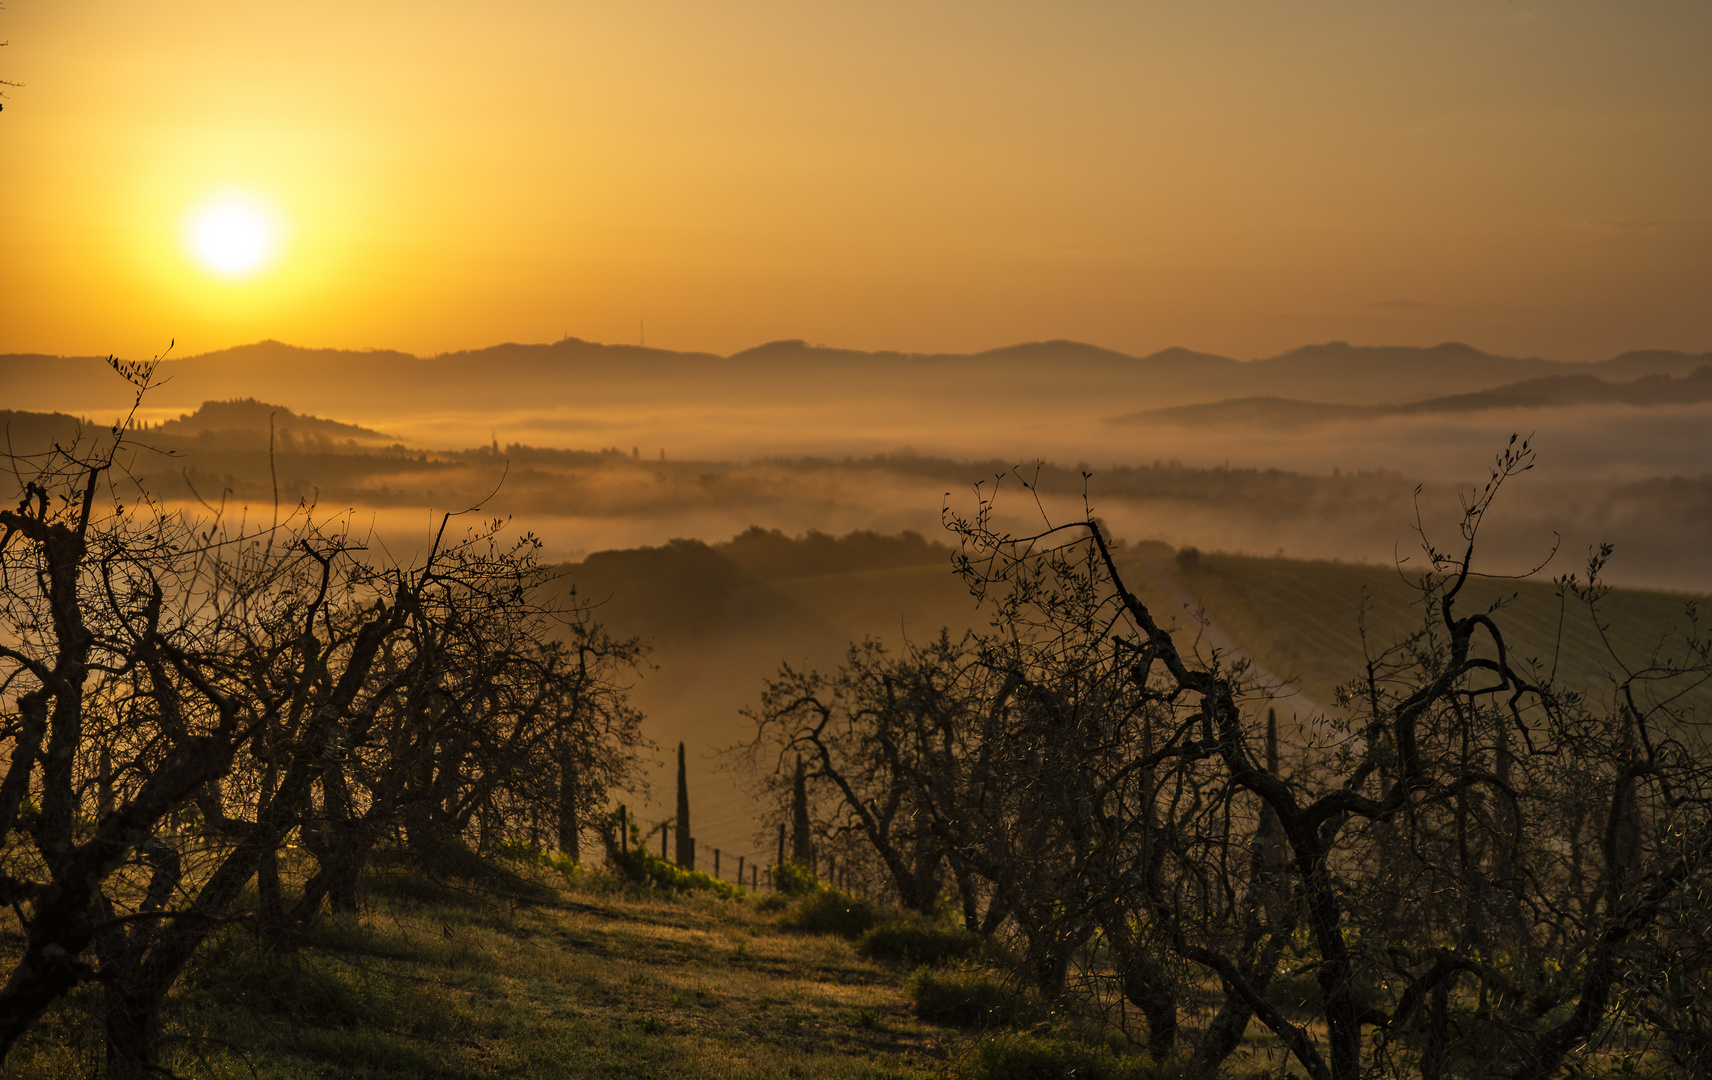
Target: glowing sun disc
232	238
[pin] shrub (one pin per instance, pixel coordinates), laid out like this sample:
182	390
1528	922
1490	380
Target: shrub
829	911
967	999
917	941
794	879
638	866
668	876
646	869
566	867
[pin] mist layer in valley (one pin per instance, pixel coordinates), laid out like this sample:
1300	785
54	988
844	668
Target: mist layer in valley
1431	413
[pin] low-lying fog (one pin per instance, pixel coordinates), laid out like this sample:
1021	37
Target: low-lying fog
798	437
1662	528
1616	441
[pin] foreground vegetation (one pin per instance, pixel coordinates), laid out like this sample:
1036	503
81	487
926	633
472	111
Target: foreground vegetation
463	978
517	970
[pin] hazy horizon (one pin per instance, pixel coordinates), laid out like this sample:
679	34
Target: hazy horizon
934	177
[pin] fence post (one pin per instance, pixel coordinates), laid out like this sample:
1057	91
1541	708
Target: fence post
715	862
664	828
623	830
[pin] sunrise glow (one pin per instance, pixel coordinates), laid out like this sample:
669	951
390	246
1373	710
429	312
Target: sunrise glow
1227	178
232	237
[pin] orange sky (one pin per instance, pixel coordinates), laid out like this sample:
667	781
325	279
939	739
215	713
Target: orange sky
1239	177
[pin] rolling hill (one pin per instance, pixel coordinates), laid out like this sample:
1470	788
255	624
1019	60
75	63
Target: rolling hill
1650	390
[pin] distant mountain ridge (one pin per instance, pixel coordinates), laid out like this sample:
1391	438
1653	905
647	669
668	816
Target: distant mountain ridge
589	374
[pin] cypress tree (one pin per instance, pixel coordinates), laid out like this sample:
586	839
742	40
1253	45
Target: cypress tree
686	840
802	844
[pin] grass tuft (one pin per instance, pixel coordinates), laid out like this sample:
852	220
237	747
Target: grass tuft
917	941
829	911
1029	1057
968	999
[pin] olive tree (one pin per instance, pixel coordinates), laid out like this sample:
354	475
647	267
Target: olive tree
1470	855
180	696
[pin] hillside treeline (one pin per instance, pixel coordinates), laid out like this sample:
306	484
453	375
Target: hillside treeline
226	721
1467	869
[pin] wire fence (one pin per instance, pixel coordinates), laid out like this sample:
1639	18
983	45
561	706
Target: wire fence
736	866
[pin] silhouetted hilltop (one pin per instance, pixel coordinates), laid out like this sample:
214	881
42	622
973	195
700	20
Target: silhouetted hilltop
1445	365
270	352
1546	391
770	555
1278	412
1653	389
27	433
1632	365
247	418
683	591
795	351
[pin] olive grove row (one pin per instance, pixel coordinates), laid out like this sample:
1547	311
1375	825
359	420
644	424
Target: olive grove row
1464	869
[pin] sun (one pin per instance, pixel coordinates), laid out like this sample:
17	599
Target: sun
233	236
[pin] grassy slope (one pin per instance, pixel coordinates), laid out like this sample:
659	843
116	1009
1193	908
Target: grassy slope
1301	620
594	980
715	644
